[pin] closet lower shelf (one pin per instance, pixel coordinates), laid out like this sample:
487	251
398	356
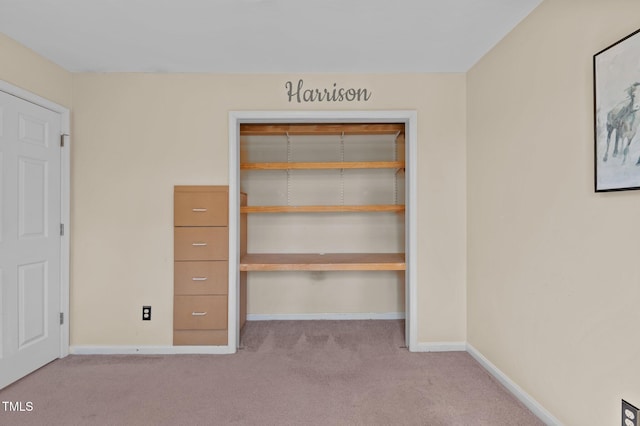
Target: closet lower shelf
326	209
323	262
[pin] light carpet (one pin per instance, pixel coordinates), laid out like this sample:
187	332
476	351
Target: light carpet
287	373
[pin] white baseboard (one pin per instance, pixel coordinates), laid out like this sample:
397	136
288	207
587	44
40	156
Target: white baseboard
327	316
148	350
440	347
516	390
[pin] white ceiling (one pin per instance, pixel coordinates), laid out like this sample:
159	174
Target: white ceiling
262	36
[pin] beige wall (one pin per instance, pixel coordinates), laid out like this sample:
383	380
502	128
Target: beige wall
137	135
24	68
553	281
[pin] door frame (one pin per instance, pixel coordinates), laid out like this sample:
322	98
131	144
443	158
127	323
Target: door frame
65	199
409	118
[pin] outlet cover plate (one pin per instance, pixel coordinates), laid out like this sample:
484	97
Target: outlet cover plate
146	313
630	414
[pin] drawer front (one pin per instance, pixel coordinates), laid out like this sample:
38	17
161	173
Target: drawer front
206	277
201	243
201	208
200	312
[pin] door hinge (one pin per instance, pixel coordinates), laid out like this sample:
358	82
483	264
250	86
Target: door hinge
62	136
61	318
62	229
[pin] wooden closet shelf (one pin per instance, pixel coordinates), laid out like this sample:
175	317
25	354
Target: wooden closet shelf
319	209
324	165
323	262
321	129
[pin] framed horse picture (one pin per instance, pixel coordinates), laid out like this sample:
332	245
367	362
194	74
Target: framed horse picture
616	85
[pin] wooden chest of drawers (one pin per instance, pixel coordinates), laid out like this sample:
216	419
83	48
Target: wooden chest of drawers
201	269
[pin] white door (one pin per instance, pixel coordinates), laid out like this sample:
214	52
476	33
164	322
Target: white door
30	250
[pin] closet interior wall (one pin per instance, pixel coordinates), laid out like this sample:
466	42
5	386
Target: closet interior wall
372	182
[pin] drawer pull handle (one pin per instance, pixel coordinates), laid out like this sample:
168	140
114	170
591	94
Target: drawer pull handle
199	210
199	244
199	279
198	314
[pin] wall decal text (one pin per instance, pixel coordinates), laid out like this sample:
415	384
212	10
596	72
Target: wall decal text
298	93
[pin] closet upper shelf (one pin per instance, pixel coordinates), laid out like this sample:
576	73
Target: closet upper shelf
324	165
321	129
323	262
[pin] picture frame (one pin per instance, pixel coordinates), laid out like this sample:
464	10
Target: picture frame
616	86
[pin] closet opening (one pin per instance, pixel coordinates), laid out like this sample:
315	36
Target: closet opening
323	227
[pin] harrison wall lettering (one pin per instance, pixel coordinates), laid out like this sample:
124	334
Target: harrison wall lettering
298	93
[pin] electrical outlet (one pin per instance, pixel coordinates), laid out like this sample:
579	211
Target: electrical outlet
146	313
630	414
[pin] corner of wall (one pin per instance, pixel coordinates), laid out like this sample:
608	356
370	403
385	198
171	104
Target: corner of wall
24	68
